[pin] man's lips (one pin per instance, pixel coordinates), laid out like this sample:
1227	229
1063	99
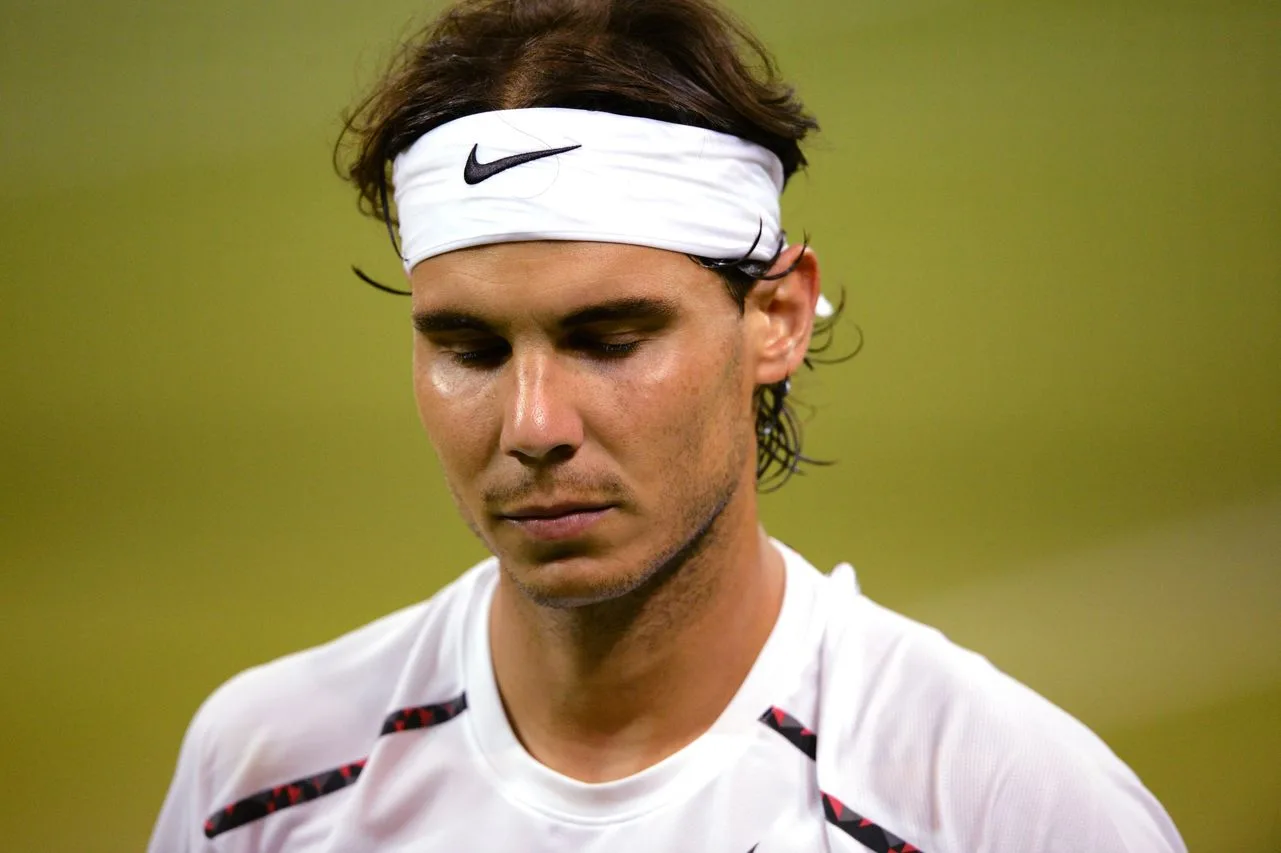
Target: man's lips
556	521
552	510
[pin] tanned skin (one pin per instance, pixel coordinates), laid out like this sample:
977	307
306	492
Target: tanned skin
591	406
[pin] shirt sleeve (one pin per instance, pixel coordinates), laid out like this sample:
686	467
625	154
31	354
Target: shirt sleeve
180	826
1047	794
925	743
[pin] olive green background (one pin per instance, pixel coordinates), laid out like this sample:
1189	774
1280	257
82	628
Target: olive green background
1056	224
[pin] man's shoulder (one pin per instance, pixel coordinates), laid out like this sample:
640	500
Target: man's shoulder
888	657
942	744
324	706
905	675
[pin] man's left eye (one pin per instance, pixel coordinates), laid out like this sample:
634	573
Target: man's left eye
610	349
483	356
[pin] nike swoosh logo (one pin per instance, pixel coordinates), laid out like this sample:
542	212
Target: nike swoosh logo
474	171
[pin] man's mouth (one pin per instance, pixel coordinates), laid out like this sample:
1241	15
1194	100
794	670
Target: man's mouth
555	510
557	521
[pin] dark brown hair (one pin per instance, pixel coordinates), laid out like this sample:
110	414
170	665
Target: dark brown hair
683	61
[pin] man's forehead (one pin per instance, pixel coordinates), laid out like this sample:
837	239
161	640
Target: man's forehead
557	279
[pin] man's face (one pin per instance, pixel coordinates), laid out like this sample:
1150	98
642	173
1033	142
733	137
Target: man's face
590	403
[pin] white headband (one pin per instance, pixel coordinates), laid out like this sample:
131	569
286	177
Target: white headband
562	174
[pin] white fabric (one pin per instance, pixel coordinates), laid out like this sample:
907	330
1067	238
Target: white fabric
630	180
926	740
633	180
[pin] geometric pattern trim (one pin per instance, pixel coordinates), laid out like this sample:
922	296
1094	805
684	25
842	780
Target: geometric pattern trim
856	826
792	729
863	830
423	716
271	800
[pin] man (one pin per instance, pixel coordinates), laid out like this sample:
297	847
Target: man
607	317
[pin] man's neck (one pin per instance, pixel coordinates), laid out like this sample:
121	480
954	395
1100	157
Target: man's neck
603	691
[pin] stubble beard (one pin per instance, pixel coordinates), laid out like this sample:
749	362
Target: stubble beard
652	602
628	590
626	593
670	585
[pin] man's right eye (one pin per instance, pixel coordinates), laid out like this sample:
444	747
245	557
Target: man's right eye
484	356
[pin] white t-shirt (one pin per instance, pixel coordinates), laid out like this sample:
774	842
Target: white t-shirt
856	729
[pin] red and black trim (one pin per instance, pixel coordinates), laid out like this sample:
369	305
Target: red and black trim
853	824
863	830
423	716
270	800
792	729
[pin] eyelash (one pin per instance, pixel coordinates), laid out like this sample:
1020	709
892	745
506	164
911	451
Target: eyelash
601	349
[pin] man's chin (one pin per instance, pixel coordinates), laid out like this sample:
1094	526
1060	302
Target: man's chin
573	576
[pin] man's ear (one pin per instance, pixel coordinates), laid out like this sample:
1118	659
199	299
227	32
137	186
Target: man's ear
782	315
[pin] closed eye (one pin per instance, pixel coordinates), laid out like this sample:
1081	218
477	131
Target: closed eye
471	349
482	356
605	348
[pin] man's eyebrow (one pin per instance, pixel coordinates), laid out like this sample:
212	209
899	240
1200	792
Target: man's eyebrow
645	308
427	322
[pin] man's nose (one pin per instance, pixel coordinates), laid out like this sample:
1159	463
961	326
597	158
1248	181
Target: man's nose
541	423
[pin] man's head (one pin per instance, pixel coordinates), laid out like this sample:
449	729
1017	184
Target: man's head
616	380
596	376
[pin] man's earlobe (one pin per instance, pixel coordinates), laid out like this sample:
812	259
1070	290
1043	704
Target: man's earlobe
787	307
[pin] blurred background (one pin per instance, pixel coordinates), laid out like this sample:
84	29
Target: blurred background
1057	224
